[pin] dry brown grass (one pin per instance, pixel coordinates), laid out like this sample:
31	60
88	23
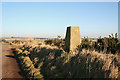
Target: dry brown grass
110	62
86	63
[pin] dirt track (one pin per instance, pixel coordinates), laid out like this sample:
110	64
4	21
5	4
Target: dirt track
10	67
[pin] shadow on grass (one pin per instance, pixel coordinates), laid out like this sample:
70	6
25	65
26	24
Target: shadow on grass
50	58
10	56
17	60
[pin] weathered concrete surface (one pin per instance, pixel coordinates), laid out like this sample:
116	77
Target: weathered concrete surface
72	39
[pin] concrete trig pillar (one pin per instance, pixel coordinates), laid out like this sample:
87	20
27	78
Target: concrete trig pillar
72	39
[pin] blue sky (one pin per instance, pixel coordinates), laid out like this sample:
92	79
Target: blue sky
50	19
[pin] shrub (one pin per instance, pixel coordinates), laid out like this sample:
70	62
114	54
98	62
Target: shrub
56	42
106	45
86	43
3	40
109	45
17	41
50	41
